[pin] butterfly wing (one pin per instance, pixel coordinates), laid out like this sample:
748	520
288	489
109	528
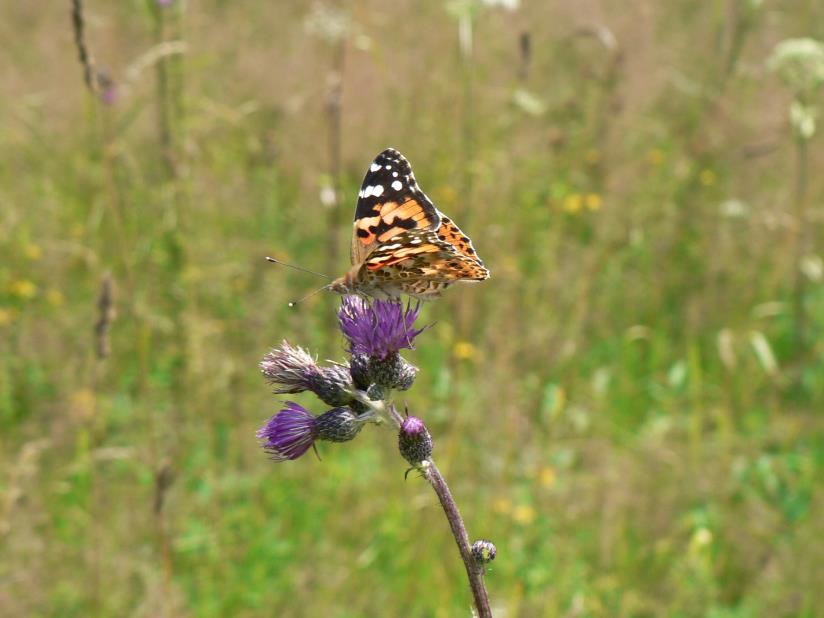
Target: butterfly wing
389	203
422	254
460	242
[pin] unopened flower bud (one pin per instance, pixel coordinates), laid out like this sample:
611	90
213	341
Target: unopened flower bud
338	425
414	441
359	370
404	376
391	372
376	392
483	551
333	385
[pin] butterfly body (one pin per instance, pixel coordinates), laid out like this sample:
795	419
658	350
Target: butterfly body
401	243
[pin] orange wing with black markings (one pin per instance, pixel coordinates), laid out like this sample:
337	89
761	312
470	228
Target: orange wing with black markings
452	234
389	203
423	254
401	243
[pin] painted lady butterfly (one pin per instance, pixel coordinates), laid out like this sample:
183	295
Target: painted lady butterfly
401	243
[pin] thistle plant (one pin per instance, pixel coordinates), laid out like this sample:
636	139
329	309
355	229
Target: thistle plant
358	391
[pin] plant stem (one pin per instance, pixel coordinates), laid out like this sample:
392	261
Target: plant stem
474	571
799	282
83	53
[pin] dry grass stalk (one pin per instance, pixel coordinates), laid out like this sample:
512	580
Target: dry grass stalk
105	316
83	53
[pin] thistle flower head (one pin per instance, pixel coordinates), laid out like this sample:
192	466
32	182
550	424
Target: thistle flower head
378	329
292	369
289	433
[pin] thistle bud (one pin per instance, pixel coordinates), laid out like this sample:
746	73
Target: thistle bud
338	425
333	385
483	551
391	372
414	441
359	370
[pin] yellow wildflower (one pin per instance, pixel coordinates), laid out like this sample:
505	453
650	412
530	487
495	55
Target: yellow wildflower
23	288
524	514
502	505
573	202
547	477
55	297
463	350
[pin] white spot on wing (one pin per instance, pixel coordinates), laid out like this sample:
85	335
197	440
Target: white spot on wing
377	190
394	174
397	185
374	167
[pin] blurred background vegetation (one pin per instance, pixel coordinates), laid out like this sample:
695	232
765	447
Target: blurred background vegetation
631	408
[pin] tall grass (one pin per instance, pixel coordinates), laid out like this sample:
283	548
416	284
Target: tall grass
622	400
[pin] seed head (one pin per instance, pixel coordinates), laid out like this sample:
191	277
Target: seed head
292	369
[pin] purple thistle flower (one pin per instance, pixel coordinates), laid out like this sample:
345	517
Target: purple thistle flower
289	433
378	329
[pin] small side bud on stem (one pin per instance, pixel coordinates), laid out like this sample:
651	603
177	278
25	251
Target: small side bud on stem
483	551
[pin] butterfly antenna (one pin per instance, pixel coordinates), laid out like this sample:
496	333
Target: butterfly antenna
300	268
294	303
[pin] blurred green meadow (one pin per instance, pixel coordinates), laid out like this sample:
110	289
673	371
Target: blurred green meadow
630	408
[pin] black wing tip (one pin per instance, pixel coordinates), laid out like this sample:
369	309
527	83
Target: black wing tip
390	154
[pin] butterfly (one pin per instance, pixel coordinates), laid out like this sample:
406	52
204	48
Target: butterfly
401	243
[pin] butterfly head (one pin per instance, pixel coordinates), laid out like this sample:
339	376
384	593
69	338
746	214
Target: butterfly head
345	284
